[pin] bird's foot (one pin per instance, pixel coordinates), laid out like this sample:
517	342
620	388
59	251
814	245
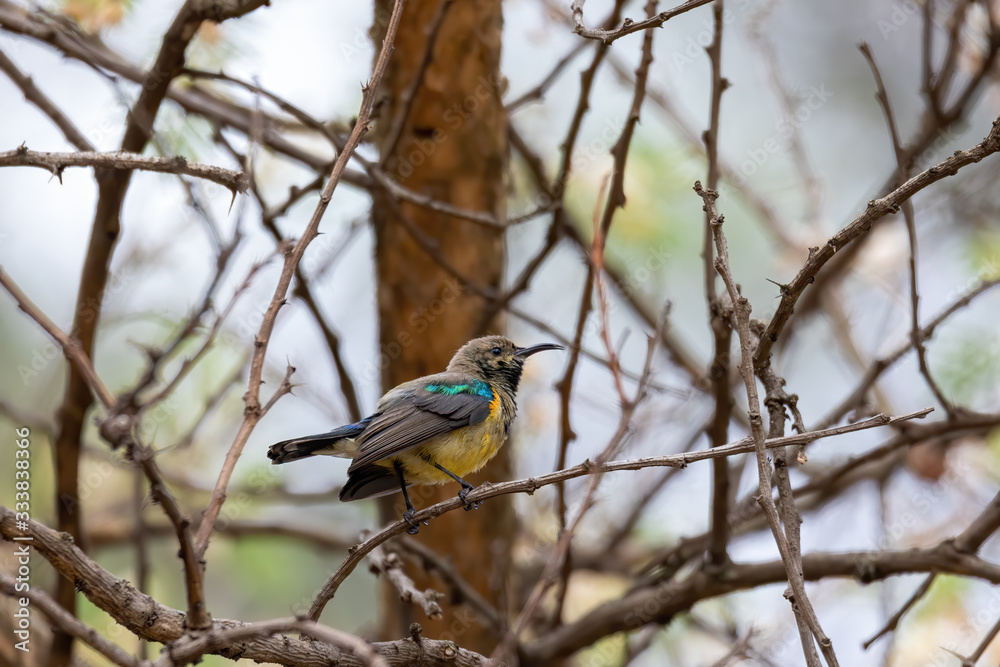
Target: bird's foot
414	525
465	492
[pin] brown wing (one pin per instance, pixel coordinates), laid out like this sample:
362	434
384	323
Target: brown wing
417	417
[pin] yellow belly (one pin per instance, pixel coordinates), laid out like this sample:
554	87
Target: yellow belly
462	452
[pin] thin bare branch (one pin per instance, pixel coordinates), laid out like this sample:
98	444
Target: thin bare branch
391	566
861	225
45	105
911	232
145	617
56	163
741	306
532	484
292	258
629	26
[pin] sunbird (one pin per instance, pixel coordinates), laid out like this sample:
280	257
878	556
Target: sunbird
431	430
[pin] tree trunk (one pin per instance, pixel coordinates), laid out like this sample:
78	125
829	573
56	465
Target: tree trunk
450	144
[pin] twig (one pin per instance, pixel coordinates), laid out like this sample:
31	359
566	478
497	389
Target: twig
538	91
71	347
861	225
629	26
292	258
883	363
625	528
911	232
894	620
461	589
106	535
105	229
552	194
875	465
557	189
568	228
934	124
590	354
40	100
741	306
66	621
775	400
116	429
186	651
390	565
811	184
523	281
734	179
973	658
557	563
969	541
433	29
158	358
210	404
659	603
676	349
198	616
303	290
597	259
57	162
378	176
940	83
145	617
140	533
719	315
595	266
532	484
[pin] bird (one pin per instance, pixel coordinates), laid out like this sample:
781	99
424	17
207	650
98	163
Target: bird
431	430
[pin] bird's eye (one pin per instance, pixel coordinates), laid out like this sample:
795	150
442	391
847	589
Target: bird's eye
496	351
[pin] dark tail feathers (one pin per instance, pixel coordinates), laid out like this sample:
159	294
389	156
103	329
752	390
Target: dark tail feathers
311	445
370	481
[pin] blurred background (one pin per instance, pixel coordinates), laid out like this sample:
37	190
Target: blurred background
805	147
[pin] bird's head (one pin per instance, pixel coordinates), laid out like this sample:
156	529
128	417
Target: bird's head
495	359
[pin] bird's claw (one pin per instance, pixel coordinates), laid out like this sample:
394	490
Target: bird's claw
414	525
462	495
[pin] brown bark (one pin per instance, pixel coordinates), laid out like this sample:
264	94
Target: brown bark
447	141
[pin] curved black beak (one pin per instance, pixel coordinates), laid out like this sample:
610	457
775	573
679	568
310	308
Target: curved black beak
525	352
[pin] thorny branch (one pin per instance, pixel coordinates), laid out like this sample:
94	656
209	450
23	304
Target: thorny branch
58	162
293	256
719	315
532	484
741	311
861	225
117	429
